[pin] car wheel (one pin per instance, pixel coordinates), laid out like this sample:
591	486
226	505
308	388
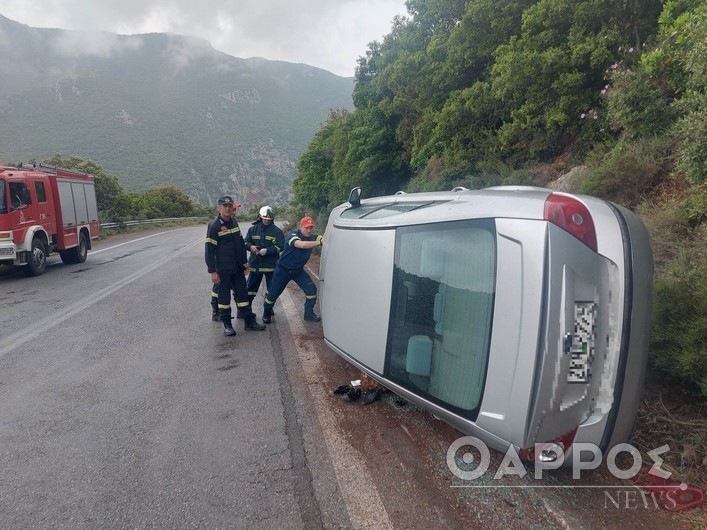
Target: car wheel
37	260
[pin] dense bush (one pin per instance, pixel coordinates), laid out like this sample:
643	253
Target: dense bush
637	108
680	63
679	335
630	171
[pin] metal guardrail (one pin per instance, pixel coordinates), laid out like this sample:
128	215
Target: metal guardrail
122	224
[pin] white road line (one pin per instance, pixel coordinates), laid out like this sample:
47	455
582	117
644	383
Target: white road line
131	241
310	271
364	505
16	340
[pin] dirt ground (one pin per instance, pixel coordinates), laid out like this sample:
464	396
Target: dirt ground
405	450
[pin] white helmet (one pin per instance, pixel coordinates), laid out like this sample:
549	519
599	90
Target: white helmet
266	213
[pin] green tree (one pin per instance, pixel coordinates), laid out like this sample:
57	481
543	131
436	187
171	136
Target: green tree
680	61
555	70
166	201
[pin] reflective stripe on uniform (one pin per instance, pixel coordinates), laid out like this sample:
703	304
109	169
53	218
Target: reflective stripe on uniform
311	297
212	241
222	306
293	239
229	232
242	304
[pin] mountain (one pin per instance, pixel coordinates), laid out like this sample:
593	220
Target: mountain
161	109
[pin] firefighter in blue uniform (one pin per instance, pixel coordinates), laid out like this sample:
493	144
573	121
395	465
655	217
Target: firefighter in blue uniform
226	261
290	267
264	241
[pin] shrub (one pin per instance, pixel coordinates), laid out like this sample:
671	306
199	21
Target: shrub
637	106
691	132
695	206
669	229
679	337
630	171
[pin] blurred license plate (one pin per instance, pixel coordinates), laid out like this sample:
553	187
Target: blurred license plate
583	338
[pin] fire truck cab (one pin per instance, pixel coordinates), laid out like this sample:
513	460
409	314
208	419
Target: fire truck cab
43	210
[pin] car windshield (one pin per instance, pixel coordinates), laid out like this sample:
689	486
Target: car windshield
442	308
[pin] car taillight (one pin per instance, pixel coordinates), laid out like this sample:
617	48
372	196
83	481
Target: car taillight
545	452
571	215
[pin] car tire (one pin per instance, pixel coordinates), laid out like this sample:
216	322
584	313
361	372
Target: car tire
37	259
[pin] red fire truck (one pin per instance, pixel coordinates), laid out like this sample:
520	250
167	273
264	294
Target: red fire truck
45	209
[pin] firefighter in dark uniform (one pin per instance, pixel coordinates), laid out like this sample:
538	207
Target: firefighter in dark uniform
290	267
264	241
226	261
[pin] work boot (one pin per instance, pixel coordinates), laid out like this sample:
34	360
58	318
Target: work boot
252	324
267	316
312	317
215	315
228	328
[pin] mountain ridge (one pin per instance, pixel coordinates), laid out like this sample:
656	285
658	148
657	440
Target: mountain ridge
162	108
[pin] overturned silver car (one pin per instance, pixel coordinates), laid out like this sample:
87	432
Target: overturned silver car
518	315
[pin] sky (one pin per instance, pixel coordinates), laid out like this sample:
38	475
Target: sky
328	34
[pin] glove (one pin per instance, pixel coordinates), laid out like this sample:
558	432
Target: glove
263	251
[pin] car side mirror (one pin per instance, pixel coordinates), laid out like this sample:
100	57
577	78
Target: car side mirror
355	197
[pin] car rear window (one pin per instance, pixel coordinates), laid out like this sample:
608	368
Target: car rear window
441	312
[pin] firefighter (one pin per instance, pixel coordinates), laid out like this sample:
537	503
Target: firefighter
226	261
298	248
264	241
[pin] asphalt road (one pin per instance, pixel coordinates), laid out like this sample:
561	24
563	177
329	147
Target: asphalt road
123	406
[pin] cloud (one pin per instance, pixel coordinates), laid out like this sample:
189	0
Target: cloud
183	51
99	44
329	34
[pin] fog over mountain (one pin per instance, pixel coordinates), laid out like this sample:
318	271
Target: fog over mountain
161	108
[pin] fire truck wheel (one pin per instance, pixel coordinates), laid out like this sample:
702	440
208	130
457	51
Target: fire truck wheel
37	260
81	250
78	253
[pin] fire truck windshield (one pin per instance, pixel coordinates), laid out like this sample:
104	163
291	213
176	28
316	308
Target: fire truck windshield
3	199
19	196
